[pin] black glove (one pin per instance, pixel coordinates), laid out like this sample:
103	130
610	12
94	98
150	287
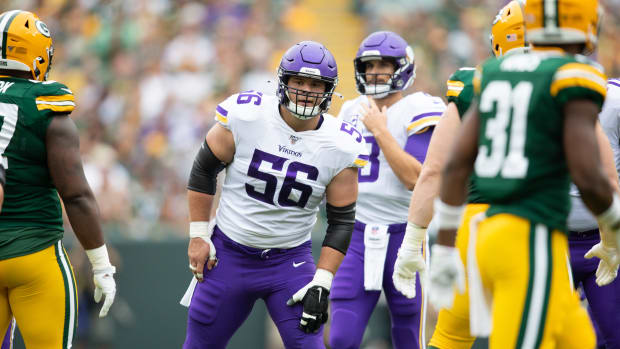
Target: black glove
315	309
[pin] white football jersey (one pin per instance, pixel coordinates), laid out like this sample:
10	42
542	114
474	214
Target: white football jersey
382	198
580	218
278	177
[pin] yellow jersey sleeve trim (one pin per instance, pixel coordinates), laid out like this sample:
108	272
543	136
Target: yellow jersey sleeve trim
56	108
454	88
61	98
360	162
578	75
420	125
452	93
559	85
221	118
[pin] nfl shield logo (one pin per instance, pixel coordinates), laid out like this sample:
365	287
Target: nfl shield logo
294	139
374	230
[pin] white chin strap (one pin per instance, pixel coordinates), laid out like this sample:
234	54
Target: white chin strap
303	113
380	90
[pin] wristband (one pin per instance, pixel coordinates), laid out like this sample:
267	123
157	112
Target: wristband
414	237
199	230
610	219
99	258
448	216
323	278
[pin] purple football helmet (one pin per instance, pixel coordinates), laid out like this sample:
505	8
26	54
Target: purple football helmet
313	60
388	46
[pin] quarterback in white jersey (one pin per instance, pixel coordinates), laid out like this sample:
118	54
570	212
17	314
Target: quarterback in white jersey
397	131
282	156
383	197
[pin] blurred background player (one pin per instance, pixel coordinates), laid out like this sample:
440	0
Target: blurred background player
452	329
40	152
521	164
282	156
602	293
397	130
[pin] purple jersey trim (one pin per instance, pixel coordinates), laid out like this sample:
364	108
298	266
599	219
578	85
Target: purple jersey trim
420	116
417	145
615	83
221	110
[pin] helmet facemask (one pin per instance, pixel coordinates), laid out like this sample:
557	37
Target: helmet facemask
316	102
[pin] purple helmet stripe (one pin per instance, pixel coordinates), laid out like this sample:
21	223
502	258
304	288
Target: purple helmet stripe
420	116
221	110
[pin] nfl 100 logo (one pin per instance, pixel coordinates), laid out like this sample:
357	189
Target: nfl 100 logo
374	230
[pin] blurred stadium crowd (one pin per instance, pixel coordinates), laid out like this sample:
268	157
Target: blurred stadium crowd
148	74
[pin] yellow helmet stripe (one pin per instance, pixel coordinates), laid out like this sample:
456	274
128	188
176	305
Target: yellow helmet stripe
5	23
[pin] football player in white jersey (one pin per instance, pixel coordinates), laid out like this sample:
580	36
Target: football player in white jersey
397	130
598	278
282	156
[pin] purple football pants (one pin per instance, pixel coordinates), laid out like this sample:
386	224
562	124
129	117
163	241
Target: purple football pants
244	274
6	341
352	305
604	301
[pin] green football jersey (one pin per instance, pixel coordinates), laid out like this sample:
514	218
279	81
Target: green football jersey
460	91
31	216
521	168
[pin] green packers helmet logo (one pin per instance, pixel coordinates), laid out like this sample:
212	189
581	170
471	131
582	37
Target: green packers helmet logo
42	28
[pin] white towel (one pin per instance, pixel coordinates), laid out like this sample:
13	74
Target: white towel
480	300
376	240
187	297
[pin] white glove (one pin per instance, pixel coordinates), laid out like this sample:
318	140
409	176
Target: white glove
410	261
609	261
446	274
103	278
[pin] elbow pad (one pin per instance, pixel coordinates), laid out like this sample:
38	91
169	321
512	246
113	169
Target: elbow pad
203	177
340	222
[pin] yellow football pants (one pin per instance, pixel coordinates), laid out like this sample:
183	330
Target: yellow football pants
452	329
525	268
39	290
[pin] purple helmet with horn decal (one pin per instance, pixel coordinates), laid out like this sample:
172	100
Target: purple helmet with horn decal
389	46
307	59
